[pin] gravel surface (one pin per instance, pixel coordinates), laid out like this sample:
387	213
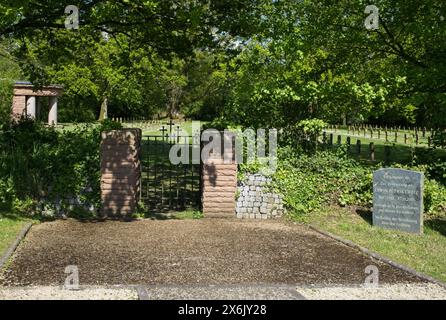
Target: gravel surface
189	252
247	292
259	292
58	293
426	291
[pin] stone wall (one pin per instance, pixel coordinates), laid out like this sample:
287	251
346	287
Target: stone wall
120	171
256	200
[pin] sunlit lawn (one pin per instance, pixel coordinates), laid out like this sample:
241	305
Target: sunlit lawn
399	152
10	227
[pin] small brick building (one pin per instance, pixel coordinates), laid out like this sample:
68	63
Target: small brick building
25	101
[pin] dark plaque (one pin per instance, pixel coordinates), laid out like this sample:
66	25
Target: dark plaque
398	200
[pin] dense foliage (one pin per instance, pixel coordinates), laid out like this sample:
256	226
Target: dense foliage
249	64
138	57
44	171
329	177
257	63
5	99
305	134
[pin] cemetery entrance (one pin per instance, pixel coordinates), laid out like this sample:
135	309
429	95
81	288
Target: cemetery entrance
165	186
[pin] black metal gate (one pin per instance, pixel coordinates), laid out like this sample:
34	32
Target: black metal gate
164	186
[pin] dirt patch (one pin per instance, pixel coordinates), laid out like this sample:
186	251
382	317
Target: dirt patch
207	251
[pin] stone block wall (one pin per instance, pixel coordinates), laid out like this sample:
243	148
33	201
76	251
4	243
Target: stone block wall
256	200
120	172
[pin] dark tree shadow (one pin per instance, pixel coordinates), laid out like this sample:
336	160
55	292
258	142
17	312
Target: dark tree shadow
6	213
366	215
438	225
211	173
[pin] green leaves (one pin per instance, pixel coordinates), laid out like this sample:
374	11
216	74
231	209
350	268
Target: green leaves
41	166
283	61
308	182
319	60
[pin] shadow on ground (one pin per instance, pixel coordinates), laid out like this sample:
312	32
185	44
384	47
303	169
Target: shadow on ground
366	215
438	225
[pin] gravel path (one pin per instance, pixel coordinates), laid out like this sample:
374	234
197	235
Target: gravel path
196	252
426	291
232	292
386	292
57	293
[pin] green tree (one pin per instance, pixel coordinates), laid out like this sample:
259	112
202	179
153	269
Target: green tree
317	59
140	35
9	72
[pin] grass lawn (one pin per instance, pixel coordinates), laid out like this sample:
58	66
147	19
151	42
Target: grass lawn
147	127
426	253
422	141
150	128
172	215
399	152
9	229
188	215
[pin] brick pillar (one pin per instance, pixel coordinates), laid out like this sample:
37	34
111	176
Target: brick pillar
18	106
121	172
219	185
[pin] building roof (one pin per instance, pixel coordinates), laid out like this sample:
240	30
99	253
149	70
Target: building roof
27	84
25	88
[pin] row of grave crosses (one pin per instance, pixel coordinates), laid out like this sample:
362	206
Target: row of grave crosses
173	136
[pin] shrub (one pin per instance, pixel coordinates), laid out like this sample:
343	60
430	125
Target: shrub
304	134
6	95
44	170
434	199
309	181
439	139
433	162
437	170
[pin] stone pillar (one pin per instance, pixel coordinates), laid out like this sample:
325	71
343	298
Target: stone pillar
52	115
31	107
219	184
18	106
120	172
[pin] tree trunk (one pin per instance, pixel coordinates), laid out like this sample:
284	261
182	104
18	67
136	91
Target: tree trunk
174	96
104	110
